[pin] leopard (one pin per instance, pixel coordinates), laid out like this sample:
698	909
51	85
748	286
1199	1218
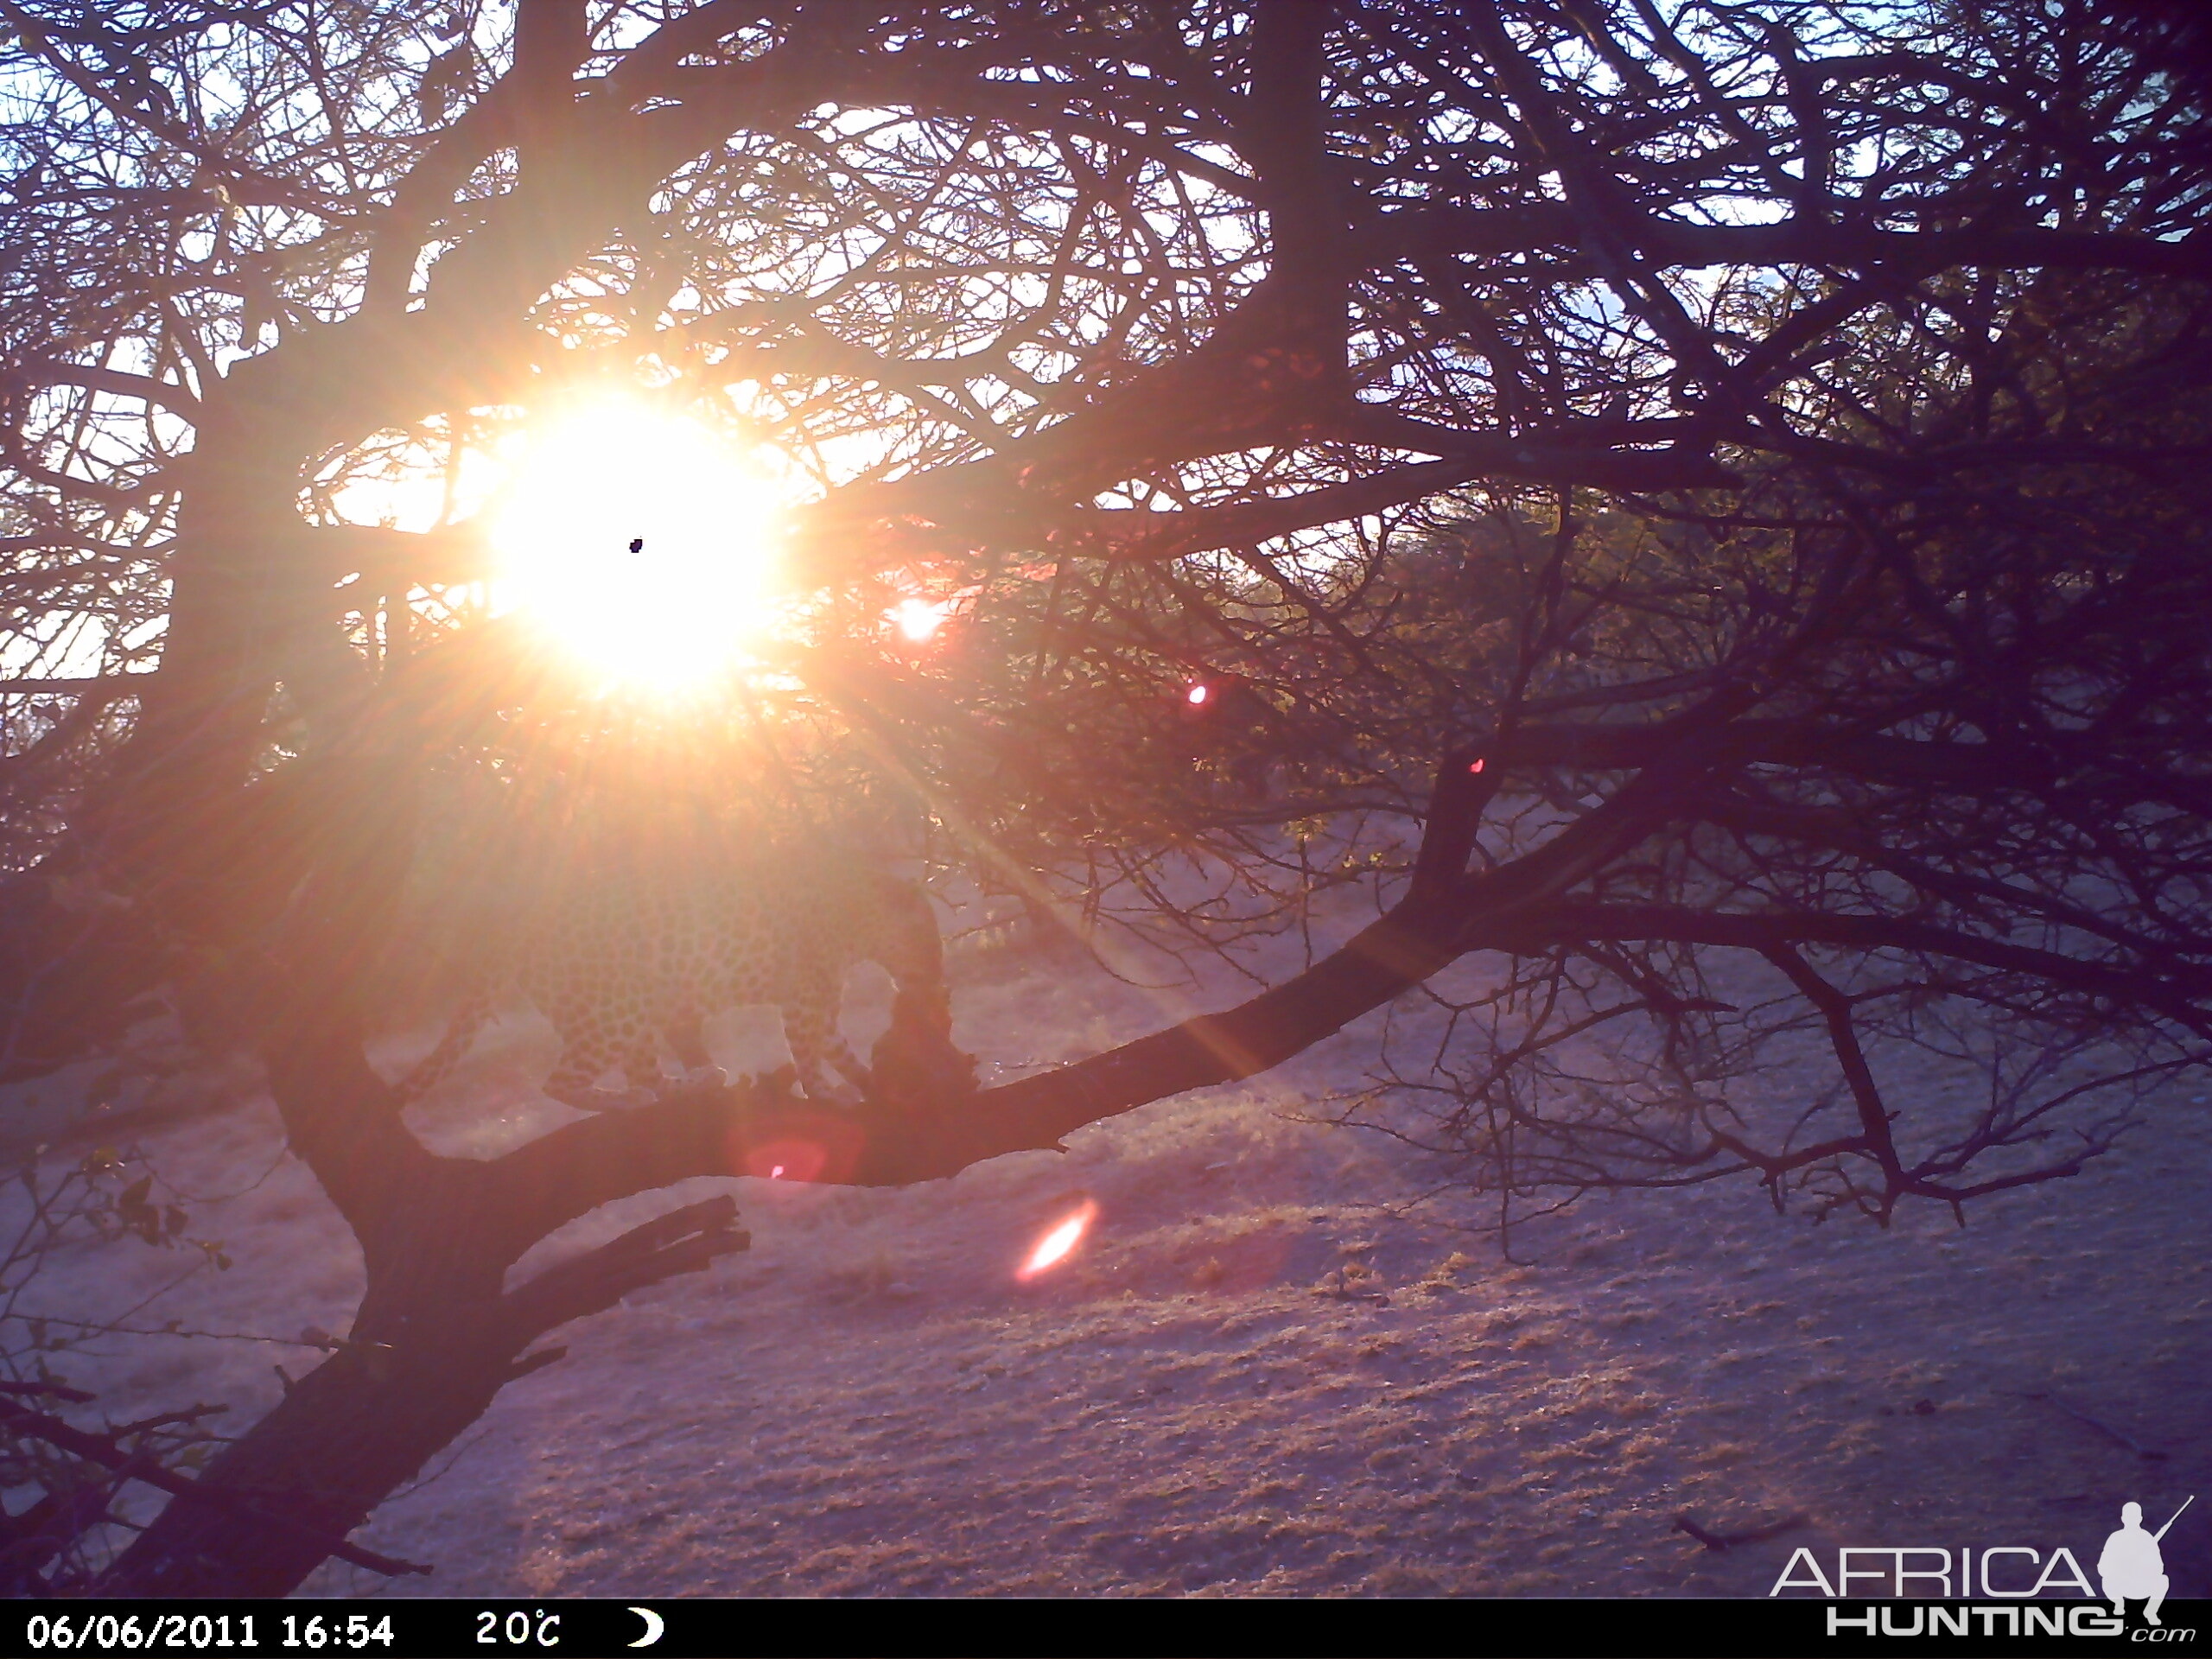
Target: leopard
621	964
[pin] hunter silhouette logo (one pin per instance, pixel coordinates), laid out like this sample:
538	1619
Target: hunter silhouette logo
2132	1565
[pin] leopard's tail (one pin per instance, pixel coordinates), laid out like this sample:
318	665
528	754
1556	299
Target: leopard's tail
473	1014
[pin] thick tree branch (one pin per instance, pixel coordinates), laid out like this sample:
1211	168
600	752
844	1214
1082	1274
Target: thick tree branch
168	394
1136	535
678	1242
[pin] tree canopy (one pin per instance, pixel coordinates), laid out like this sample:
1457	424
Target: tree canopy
1682	481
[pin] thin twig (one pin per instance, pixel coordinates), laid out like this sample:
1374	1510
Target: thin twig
1719	1541
2149	1453
131	1466
54	1390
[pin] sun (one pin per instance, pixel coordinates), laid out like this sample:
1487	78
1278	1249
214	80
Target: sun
641	542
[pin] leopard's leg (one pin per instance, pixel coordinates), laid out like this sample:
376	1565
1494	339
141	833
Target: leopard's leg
685	1035
575	1080
633	1009
591	1041
640	1061
650	995
810	1028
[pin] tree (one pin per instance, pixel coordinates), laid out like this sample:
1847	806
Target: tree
1731	475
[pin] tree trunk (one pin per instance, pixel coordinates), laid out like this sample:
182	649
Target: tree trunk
279	1502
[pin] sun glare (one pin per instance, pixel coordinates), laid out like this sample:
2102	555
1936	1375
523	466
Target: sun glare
917	619
641	542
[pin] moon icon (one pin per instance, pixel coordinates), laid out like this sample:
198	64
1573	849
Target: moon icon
655	1625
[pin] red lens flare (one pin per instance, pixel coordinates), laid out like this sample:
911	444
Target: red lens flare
1478	767
788	1159
801	1146
1059	1242
1198	694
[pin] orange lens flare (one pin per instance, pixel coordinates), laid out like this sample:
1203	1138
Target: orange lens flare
1058	1243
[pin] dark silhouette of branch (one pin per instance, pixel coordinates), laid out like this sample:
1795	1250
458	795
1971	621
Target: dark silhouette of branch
1659	508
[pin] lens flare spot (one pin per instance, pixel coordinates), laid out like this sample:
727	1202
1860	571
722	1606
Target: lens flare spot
787	1159
1478	767
1059	1241
1197	695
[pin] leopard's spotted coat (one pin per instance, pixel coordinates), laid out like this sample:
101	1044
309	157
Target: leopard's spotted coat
628	964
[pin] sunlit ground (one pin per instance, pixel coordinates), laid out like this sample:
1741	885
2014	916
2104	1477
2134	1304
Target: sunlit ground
642	543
